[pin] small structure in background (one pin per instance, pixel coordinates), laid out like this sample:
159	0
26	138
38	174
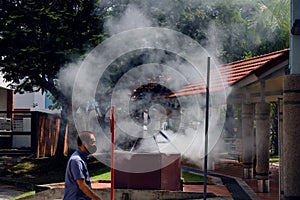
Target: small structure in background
26	125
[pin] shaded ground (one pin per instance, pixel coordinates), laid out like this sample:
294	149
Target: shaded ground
31	171
19	174
40	171
9	191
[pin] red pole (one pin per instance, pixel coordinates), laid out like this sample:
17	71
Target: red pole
112	130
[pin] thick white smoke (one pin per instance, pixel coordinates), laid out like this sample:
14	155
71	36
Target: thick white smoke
130	32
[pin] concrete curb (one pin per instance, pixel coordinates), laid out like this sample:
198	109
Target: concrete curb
246	189
57	194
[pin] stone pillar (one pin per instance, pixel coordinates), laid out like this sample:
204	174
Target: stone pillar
262	113
291	137
238	142
280	142
248	140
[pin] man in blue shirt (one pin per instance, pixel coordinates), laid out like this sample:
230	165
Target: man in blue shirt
77	178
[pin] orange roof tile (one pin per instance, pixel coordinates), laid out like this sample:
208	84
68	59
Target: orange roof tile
238	70
234	72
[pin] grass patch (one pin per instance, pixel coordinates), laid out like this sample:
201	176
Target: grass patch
24	167
190	177
274	159
105	174
26	194
37	171
49	170
100	174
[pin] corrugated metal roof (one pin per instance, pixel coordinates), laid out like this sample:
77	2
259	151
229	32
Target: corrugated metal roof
231	73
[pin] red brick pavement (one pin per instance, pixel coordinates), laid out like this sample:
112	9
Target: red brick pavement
233	168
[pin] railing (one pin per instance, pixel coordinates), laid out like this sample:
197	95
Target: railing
15	130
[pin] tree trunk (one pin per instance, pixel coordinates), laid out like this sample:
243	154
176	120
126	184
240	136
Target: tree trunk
67	127
62	132
72	132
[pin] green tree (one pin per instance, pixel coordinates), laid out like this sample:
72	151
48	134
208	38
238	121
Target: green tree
38	38
272	21
249	28
231	30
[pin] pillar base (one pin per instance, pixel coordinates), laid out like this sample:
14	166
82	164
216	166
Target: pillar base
248	173
281	194
263	186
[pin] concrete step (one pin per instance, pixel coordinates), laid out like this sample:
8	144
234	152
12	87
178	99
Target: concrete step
15	152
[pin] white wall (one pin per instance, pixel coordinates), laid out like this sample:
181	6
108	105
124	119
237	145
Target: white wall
34	100
3	99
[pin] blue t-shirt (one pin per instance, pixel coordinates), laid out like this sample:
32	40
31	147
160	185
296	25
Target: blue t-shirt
76	169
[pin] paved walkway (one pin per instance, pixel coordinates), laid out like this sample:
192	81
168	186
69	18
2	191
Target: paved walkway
235	169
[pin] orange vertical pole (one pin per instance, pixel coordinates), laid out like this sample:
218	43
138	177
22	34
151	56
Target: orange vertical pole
112	130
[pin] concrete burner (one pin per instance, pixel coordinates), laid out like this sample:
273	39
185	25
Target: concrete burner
152	171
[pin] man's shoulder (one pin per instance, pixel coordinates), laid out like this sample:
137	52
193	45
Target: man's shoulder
75	156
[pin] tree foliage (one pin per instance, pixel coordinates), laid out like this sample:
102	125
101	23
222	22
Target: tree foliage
38	38
231	30
271	22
